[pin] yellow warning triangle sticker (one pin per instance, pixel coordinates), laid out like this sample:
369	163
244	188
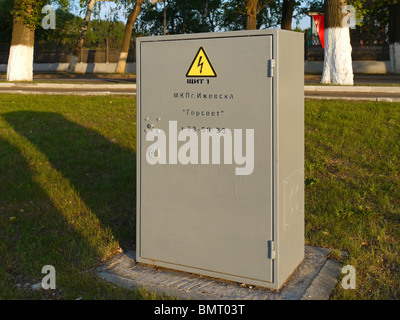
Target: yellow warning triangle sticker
201	66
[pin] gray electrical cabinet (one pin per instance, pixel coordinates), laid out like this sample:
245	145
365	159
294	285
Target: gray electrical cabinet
220	154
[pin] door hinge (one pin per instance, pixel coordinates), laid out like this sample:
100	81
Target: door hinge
271	67
271	250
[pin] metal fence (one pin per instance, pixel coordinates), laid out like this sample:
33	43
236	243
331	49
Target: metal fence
108	51
363	48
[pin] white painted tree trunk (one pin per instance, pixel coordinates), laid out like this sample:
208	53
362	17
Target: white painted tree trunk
77	52
394	49
20	58
20	63
72	63
121	65
338	67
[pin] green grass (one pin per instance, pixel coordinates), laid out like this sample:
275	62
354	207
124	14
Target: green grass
359	84
67	192
352	190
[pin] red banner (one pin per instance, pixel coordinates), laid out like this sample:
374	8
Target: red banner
319	23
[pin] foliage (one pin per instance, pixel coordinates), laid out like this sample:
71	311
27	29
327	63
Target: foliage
101	30
5	20
375	19
68	28
66	32
29	12
188	16
191	16
311	5
234	14
182	17
367	7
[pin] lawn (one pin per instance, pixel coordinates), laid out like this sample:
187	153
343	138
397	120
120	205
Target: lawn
352	189
67	192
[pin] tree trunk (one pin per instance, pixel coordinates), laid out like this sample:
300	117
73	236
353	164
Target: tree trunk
77	52
204	16
20	59
121	65
184	16
287	14
165	18
251	11
394	37
338	68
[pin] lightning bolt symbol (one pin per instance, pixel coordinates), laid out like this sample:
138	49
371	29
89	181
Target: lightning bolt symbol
200	64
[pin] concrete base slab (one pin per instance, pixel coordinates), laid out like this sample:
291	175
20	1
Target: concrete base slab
314	279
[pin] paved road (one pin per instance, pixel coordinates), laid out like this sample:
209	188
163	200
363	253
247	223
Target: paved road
95	78
369	93
69	88
361	96
386	87
361	79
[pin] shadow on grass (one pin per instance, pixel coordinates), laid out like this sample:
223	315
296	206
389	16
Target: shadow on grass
101	172
33	232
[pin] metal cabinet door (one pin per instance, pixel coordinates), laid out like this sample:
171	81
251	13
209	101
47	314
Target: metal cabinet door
204	217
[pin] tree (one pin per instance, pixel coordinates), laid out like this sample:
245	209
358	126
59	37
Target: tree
6	20
394	35
377	16
191	16
78	49
101	30
212	15
26	18
250	15
127	36
253	8
338	68
65	34
287	14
